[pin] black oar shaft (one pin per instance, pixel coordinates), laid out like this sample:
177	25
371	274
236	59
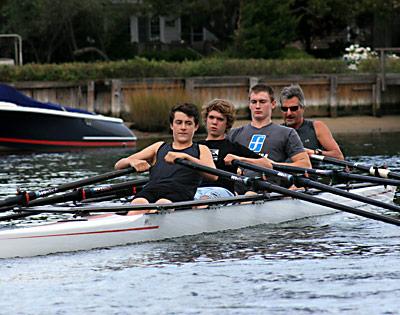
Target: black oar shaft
26	197
335	173
294	194
86	193
301	181
374	171
327	203
128	188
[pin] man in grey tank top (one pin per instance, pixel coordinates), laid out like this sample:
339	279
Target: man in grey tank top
279	144
315	135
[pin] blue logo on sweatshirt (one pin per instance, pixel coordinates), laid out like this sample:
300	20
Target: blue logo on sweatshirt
256	143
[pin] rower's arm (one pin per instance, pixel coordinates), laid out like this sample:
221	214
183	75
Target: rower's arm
205	159
300	160
262	161
141	160
326	139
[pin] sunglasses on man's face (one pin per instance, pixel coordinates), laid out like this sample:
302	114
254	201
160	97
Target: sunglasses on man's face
292	108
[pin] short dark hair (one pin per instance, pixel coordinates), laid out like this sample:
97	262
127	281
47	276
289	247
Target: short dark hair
262	88
223	107
291	91
187	108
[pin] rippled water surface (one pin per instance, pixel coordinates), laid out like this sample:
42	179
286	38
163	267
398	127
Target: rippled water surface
338	264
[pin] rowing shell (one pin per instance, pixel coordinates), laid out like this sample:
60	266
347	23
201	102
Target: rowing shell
106	230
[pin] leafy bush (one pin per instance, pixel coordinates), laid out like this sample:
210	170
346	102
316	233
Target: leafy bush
177	54
142	68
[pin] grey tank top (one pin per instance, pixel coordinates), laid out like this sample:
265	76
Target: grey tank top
308	136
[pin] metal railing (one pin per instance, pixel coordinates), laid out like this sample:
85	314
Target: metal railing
17	46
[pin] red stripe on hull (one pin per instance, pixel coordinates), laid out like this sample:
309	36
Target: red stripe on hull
71	143
88	233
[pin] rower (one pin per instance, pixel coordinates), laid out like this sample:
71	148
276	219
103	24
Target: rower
219	116
315	134
278	144
170	182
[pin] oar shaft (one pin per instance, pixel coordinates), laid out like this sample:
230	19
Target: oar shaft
327	203
301	181
294	194
334	173
29	196
312	184
369	179
374	171
86	193
286	177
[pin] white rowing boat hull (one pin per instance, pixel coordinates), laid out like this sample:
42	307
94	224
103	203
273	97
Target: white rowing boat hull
111	230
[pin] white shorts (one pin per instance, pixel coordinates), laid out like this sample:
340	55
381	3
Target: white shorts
212	192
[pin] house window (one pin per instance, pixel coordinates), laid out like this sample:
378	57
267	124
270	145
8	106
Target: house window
155	28
170	23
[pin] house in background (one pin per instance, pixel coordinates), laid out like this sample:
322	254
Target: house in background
164	32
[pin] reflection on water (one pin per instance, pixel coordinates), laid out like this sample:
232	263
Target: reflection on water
386	144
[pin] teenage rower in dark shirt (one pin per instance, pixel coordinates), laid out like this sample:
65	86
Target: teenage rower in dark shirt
170	182
219	116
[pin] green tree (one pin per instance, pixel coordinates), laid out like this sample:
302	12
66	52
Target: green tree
63	30
265	27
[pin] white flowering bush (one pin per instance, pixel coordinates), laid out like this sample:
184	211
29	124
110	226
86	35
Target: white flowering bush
355	53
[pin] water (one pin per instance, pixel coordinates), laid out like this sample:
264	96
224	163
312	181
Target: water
338	264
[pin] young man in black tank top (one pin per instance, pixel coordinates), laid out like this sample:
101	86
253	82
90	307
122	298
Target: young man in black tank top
315	135
219	116
170	182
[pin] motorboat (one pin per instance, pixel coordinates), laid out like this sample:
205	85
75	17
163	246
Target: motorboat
27	124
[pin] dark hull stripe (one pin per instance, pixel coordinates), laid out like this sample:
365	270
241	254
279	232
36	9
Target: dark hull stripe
88	233
70	143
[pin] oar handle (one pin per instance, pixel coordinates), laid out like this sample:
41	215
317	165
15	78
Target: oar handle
289	179
202	168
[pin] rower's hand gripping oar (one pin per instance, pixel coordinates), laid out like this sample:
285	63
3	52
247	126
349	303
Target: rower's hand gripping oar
24	198
275	188
301	181
374	171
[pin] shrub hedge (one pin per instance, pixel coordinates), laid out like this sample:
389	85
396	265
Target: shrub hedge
141	67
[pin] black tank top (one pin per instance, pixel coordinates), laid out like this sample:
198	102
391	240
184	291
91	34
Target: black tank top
308	136
173	176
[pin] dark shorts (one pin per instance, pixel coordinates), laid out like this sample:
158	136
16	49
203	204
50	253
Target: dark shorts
152	194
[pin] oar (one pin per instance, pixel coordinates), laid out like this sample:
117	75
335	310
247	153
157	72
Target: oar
86	193
301	181
373	170
150	206
117	190
291	193
24	198
337	174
